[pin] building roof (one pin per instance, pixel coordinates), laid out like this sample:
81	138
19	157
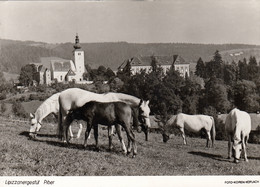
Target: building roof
71	73
177	59
42	68
62	65
46	61
161	60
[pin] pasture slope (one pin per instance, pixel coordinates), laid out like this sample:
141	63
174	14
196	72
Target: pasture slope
48	157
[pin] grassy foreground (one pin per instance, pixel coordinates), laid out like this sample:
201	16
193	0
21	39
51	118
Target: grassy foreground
48	157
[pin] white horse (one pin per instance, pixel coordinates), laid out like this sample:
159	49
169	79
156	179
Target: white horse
50	105
192	123
74	98
238	127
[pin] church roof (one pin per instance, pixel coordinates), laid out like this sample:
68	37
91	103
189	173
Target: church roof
62	65
46	61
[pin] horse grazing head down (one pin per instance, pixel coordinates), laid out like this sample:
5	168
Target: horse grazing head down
236	150
144	112
35	126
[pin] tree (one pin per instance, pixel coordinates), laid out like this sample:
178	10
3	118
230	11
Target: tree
230	73
200	68
27	74
252	68
245	96
154	63
126	73
116	84
243	70
109	74
216	95
215	67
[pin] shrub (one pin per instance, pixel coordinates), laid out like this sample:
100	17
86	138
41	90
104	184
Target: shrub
3	108
220	130
2	96
18	110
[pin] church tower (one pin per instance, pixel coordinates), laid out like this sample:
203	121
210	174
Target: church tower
79	59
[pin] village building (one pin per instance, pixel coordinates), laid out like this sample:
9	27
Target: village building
143	63
55	69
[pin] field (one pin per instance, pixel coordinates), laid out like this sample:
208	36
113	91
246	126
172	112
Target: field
48	157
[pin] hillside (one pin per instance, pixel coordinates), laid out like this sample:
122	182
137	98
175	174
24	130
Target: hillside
15	54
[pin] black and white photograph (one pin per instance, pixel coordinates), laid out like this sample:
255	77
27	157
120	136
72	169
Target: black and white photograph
130	93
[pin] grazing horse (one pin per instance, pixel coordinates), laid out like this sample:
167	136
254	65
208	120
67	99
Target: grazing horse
108	114
50	105
192	123
74	98
238	127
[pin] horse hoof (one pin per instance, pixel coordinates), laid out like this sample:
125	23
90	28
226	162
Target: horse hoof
134	155
236	161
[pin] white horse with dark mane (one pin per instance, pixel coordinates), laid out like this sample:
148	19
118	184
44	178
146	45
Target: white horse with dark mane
73	98
238	127
50	105
192	123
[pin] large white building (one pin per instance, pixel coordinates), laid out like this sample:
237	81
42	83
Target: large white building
53	69
143	63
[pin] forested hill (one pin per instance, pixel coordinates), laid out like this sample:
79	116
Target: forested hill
15	54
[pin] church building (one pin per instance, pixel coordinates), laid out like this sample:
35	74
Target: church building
54	69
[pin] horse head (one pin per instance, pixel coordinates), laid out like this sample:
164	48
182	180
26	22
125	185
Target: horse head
236	150
161	121
144	113
35	126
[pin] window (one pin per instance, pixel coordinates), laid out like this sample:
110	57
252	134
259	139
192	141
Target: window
61	77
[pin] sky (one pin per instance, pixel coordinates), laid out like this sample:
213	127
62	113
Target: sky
150	21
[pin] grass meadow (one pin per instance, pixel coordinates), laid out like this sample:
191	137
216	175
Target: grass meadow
47	156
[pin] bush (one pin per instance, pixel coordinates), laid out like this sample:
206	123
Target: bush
3	96
18	110
254	137
3	108
220	130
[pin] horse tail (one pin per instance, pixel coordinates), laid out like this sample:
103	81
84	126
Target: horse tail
213	131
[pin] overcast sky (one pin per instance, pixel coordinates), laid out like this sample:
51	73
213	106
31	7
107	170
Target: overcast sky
166	21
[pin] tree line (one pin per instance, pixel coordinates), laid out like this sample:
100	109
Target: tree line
215	86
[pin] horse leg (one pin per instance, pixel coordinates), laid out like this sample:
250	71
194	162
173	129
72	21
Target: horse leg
80	130
119	133
183	136
110	134
229	146
244	148
89	126
65	131
208	139
96	135
131	137
71	133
